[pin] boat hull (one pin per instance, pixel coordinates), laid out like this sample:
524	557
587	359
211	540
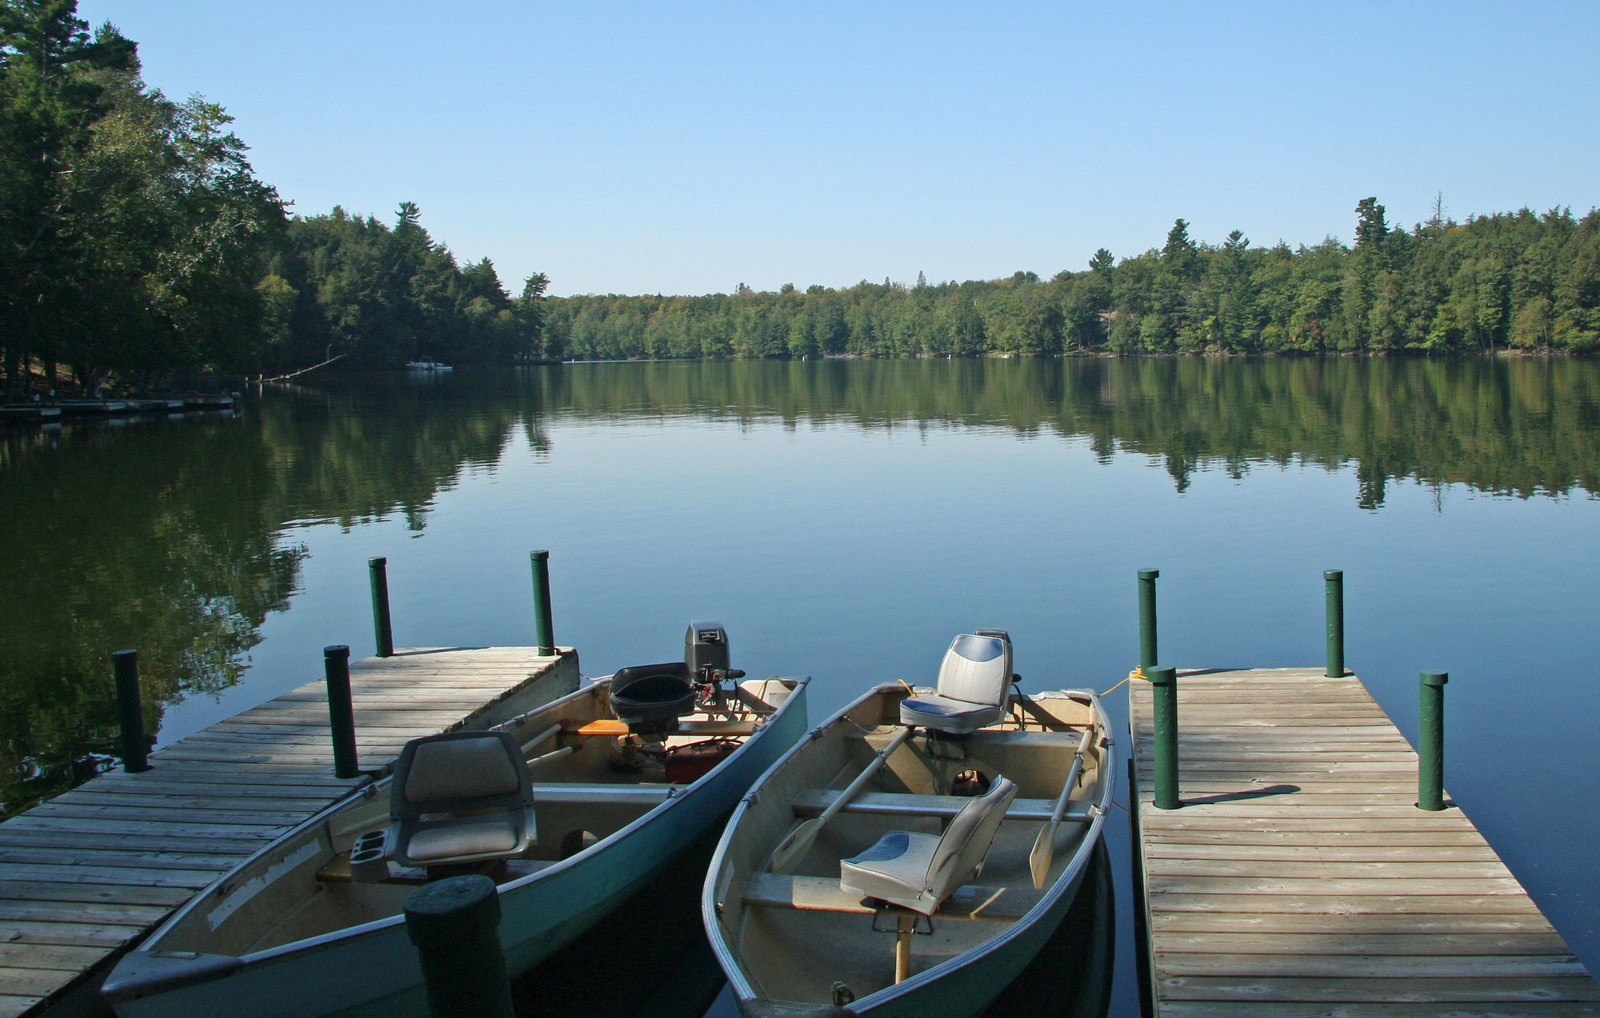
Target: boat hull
757	932
371	970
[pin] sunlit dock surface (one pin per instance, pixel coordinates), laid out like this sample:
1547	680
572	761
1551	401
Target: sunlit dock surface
87	874
1300	878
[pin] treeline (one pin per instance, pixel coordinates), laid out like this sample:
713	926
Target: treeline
136	242
1508	280
340	284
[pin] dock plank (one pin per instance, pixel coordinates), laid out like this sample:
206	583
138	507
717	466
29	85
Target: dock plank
1299	877
89	873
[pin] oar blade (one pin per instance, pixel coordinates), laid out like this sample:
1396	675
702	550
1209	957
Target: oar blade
1044	851
793	848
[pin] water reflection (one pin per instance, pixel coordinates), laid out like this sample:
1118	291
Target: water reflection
178	537
121	539
1514	426
169	537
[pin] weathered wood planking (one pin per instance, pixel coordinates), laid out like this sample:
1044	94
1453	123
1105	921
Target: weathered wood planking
1299	878
89	873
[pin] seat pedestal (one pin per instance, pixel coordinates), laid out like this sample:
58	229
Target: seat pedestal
902	947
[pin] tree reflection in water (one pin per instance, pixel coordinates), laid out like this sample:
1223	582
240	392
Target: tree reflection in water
177	538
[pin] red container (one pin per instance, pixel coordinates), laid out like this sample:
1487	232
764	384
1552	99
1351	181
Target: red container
686	763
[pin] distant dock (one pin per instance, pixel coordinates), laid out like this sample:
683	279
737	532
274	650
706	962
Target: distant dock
86	875
56	412
1298	877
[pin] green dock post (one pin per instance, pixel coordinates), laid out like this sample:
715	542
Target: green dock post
454	924
1333	579
1147	617
381	628
1430	741
1164	700
541	602
341	715
135	746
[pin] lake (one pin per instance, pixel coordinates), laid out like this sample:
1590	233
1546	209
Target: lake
845	519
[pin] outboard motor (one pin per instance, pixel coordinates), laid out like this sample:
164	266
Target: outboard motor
651	697
705	652
705	648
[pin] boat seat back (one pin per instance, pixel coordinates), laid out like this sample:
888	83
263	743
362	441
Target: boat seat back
919	871
460	797
974	686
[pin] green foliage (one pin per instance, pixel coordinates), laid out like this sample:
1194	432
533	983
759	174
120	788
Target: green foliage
1516	279
132	233
382	296
135	240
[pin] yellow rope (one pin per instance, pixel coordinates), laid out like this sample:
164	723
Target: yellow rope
874	731
1137	673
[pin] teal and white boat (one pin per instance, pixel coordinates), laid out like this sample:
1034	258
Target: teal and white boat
916	851
570	808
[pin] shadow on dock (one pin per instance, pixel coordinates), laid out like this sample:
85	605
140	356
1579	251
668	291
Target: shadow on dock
1249	793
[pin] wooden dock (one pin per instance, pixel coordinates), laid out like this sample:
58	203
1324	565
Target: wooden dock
1299	878
86	875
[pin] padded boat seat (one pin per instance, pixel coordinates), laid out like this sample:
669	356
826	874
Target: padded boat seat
918	871
1000	904
948	714
974	686
460	797
474	839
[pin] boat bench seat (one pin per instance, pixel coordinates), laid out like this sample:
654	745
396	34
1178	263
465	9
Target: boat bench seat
1026	738
814	800
570	792
823	894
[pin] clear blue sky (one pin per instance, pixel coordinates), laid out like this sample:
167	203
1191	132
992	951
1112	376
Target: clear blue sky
685	148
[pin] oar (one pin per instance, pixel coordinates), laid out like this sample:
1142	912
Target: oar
1044	849
798	843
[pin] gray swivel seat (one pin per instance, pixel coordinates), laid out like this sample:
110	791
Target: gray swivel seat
974	686
919	871
460	797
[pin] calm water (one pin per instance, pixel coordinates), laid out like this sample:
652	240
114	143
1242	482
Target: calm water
844	520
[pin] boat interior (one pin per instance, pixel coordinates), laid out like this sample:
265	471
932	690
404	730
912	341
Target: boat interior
851	914
506	803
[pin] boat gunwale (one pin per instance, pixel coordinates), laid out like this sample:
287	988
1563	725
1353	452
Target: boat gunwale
1050	900
147	987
